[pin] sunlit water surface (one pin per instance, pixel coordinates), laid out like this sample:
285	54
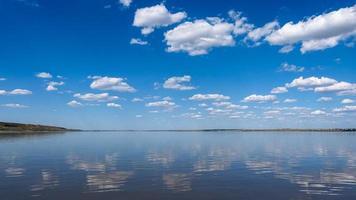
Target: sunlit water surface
178	165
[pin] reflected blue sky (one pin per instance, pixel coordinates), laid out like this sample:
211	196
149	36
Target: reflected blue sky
179	165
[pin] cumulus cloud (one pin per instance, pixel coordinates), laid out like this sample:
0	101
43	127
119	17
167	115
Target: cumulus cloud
14	105
318	32
138	41
302	82
43	75
162	104
240	26
178	83
279	90
16	92
324	99
347	92
290	100
286	49
52	86
259	98
214	97
193	115
272	112
156	16
167	98
125	3
20	92
345	109
347	101
323	84
74	103
285	67
113	105
315	45
219	111
102	97
337	87
257	34
111	83
229	105
136	99
199	36
318	112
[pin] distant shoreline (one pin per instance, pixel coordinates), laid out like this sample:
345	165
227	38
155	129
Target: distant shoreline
19	128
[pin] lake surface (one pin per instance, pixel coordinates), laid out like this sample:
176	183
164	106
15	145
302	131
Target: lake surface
178	165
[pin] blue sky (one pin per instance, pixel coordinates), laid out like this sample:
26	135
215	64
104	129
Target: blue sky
178	64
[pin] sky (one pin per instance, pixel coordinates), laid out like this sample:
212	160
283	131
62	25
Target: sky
178	64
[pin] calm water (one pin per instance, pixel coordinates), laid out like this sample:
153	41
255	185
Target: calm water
178	165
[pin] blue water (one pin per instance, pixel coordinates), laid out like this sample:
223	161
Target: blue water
178	165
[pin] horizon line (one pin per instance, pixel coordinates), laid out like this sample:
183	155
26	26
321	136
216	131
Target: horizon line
229	129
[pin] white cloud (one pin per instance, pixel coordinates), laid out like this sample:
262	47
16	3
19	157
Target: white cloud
167	98
336	87
20	92
16	92
285	67
111	83
52	86
321	44
347	92
113	105
44	75
324	99
192	115
125	3
138	116
318	112
318	32
272	112
136	100
259	98
229	105
311	82
286	49
258	33
103	97
215	97
347	101
178	83
138	41
345	109
240	26
156	16
163	104
199	36
14	105
290	100
323	84
279	90
2	79
74	103
219	111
